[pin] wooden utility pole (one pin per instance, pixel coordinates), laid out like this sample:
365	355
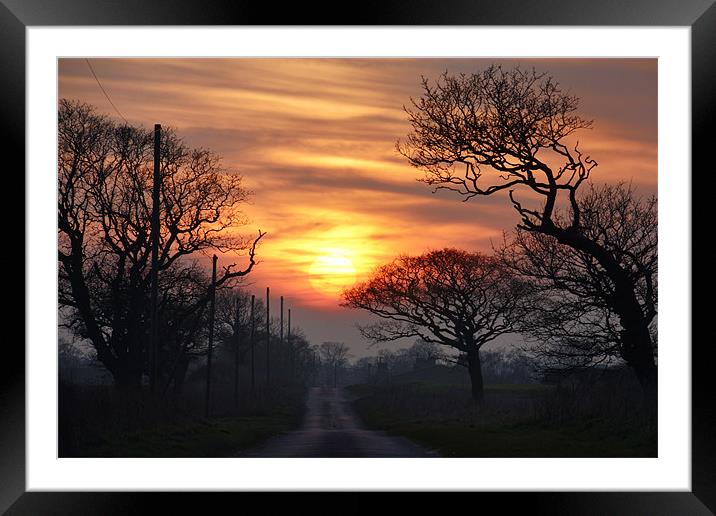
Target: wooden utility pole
268	339
154	318
251	341
212	304
291	354
237	334
281	347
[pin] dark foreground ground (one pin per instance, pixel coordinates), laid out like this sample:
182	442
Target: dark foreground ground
94	424
416	419
331	429
320	422
219	437
520	421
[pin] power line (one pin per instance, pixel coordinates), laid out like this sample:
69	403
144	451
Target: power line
104	91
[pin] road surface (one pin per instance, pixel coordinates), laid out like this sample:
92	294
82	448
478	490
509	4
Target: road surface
332	429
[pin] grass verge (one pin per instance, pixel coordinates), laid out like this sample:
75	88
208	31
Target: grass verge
220	437
460	432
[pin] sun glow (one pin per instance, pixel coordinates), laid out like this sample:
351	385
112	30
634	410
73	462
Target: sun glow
330	273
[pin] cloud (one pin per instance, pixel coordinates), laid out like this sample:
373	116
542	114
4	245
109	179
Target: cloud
315	140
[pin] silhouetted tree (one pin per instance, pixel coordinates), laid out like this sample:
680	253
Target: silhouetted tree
422	350
233	317
232	330
183	322
334	355
449	297
104	212
571	318
303	360
508	366
363	370
389	361
498	130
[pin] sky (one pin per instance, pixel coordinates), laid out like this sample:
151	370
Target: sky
314	140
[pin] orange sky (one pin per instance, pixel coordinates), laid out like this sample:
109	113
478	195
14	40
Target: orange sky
315	140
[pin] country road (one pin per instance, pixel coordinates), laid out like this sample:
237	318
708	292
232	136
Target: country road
332	429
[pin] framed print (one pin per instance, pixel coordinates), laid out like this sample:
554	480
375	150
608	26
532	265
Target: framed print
266	279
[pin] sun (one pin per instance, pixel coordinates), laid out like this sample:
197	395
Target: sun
330	273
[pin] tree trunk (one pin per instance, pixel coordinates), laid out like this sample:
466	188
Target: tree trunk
81	295
648	378
638	353
637	348
180	376
475	369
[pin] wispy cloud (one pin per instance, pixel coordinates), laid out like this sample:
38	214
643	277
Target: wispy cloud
315	139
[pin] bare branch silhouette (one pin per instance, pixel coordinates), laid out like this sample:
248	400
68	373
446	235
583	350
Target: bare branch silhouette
571	319
104	228
512	130
449	297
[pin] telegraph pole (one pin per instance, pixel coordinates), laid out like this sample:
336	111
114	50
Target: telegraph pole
268	340
251	340
281	332
237	324
212	303
291	353
154	319
281	347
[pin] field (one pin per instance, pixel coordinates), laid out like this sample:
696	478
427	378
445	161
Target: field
520	421
166	430
221	437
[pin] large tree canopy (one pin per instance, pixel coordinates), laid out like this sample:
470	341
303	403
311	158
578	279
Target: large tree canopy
450	297
570	317
334	356
104	228
483	133
514	130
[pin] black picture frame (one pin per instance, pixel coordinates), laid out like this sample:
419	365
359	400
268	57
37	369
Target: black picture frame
700	15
